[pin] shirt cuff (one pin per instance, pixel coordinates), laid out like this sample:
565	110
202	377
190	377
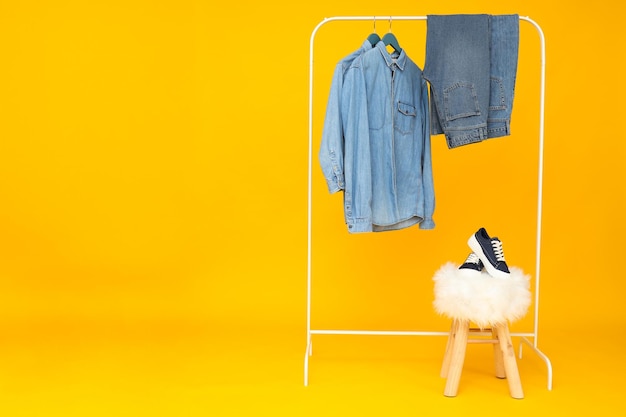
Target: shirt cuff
334	185
427	224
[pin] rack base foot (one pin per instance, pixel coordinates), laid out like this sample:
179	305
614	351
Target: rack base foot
309	346
542	356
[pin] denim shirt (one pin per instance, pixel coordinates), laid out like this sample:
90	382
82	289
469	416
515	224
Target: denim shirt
384	160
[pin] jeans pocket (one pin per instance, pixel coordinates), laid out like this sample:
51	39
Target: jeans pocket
460	100
405	117
497	98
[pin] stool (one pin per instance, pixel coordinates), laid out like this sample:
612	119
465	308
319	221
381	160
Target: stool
490	303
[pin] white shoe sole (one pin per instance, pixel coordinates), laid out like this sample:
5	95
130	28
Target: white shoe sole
478	250
468	272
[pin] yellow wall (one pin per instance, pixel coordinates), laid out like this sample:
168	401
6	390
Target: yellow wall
153	164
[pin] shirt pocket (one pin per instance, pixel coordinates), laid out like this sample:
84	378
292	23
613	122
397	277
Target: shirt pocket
460	100
405	118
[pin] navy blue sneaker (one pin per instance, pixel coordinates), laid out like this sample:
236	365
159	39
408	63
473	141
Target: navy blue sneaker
489	250
472	265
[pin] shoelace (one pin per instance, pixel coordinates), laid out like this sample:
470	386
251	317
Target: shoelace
497	248
472	258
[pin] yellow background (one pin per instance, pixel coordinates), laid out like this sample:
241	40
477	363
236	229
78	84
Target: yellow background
153	203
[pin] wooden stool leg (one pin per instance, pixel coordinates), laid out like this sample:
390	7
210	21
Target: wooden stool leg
457	357
510	365
497	353
445	366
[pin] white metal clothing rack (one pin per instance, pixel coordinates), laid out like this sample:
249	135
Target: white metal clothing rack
525	335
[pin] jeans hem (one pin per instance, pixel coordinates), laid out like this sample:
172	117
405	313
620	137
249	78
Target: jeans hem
465	137
498	129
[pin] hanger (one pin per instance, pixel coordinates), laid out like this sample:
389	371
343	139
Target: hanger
389	39
373	38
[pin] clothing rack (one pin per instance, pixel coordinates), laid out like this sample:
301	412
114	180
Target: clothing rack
524	335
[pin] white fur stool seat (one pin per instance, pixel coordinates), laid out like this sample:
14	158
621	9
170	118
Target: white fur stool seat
487	302
481	298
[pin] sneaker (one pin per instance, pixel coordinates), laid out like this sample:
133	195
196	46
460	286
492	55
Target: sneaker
489	250
472	265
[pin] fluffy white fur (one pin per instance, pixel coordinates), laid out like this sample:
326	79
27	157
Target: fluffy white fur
482	299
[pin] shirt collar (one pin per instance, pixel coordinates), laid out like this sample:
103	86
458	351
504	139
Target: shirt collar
365	46
390	59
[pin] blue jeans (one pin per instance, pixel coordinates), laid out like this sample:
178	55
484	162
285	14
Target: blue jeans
471	65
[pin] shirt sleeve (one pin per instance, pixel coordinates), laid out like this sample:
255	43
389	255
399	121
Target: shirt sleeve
427	168
358	195
331	151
